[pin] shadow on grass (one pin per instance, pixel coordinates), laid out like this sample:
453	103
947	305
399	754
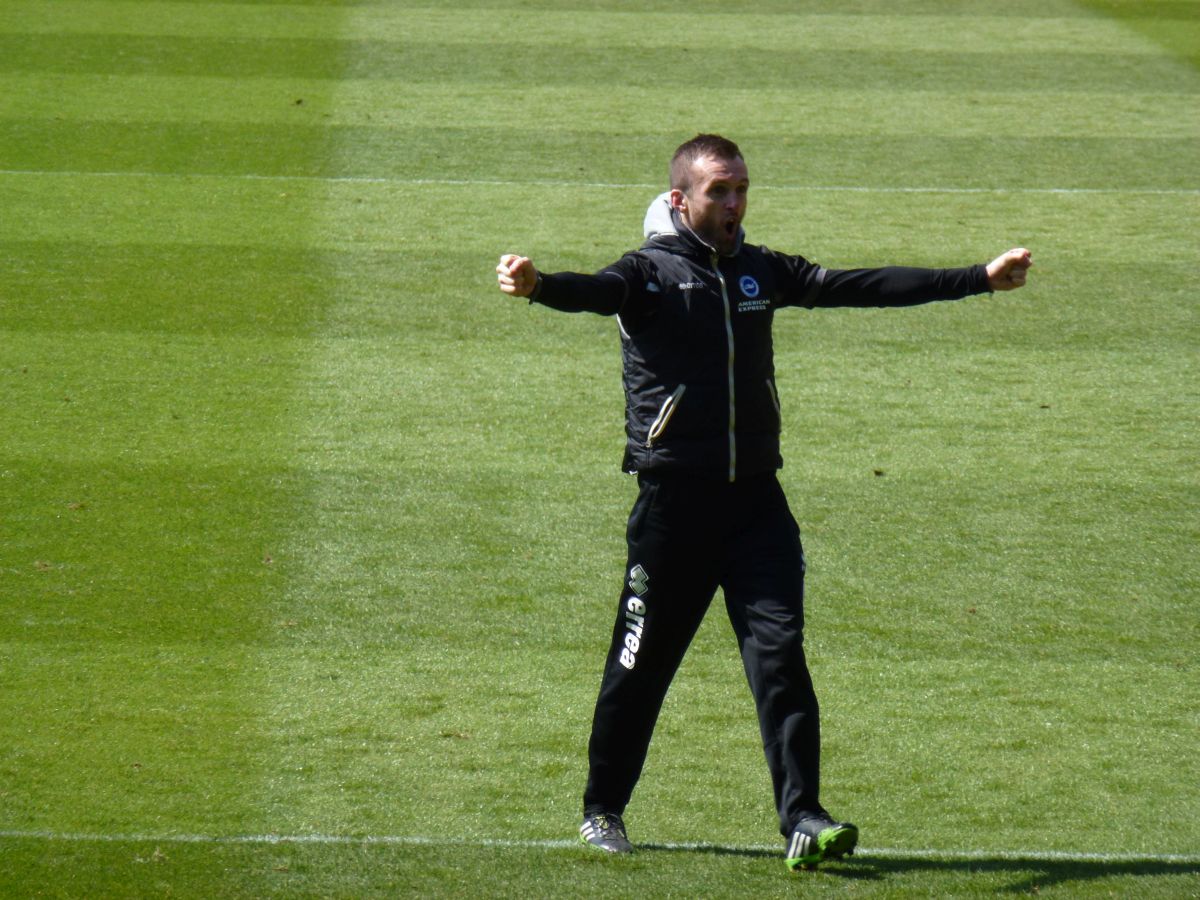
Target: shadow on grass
1030	874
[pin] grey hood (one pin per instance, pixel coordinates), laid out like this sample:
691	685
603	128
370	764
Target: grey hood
658	216
660	219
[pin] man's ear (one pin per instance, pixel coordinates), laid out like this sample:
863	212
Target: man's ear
678	200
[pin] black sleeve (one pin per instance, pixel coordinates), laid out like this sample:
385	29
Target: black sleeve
604	293
806	284
899	286
574	292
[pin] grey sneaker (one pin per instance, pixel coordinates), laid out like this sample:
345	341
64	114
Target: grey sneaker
817	837
605	831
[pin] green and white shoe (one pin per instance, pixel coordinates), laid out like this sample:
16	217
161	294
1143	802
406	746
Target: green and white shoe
817	837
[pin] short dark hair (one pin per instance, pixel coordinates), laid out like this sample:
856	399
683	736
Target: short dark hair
699	147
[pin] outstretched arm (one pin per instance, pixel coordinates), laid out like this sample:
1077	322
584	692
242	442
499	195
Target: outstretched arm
813	285
603	293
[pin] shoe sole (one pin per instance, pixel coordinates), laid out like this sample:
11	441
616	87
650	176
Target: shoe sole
832	843
602	847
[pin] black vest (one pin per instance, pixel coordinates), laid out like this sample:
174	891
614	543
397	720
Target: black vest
698	361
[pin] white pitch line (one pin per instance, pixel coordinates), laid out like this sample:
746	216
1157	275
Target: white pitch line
1033	856
590	185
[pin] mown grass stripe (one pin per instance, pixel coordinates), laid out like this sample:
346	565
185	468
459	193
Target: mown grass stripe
622	110
789	31
589	185
498	154
565	844
1036	9
817	69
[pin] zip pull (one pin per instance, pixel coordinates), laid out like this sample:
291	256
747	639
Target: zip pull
664	415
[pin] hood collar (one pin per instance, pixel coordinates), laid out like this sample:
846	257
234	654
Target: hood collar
664	227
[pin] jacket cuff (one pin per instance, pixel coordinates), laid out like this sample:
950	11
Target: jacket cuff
537	288
980	275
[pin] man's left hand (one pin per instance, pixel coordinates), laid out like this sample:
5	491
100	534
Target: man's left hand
1007	272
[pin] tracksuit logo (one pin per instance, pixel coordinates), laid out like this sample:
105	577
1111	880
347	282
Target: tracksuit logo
638	580
635	616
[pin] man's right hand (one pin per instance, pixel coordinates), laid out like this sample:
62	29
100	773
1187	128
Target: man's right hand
517	275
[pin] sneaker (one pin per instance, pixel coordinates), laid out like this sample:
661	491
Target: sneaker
817	837
605	831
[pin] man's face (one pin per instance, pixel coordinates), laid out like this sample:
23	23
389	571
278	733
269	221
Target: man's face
715	204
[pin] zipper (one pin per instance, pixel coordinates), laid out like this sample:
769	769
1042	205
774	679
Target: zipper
664	415
729	337
775	400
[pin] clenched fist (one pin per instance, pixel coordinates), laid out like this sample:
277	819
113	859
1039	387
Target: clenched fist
1007	272
517	275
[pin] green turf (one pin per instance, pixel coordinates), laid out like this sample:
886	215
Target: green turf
308	531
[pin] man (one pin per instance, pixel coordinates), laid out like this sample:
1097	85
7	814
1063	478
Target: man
694	308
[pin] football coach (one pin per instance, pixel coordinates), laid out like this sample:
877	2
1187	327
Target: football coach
694	308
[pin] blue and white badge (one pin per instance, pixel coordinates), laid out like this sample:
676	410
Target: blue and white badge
749	286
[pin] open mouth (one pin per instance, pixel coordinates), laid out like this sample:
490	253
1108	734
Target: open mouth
730	228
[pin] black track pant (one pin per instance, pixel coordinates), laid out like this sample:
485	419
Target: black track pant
687	537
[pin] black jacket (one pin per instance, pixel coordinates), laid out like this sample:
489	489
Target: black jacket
695	330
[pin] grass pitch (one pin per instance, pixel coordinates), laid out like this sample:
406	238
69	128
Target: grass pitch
312	539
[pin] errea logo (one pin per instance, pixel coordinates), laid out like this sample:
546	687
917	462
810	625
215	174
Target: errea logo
635	616
639	581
